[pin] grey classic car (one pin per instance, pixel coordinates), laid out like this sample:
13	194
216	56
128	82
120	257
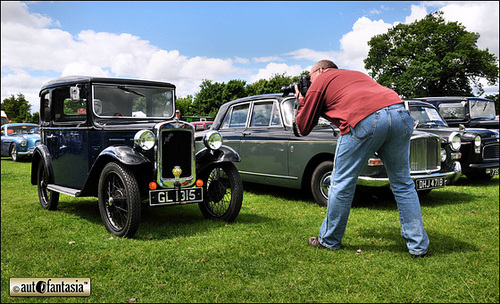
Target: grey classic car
259	128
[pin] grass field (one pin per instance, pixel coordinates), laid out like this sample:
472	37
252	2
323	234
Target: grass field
177	256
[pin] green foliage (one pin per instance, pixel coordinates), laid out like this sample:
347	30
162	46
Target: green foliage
18	109
177	256
430	57
183	104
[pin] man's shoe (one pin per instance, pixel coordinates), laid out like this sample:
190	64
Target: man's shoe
313	241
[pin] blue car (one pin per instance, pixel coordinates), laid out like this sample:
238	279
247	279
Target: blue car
19	140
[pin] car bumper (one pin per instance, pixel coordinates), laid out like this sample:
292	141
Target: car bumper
26	153
450	177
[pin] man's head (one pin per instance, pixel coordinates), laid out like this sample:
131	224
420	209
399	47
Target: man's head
177	113
321	66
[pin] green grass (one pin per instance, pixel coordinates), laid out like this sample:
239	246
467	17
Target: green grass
177	256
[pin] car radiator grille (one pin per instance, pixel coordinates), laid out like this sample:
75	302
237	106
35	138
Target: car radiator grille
490	152
425	154
176	150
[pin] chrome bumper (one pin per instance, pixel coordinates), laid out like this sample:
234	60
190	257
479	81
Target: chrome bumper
450	177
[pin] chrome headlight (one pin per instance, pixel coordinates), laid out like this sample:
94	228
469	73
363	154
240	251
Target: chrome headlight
455	141
212	140
23	143
144	139
443	155
477	144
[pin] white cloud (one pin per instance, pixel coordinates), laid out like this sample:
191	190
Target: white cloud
480	17
267	59
276	68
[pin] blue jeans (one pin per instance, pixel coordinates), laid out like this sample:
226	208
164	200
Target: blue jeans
386	131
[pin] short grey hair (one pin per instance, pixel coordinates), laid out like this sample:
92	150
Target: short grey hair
325	64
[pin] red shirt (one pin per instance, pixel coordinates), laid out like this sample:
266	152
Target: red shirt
343	97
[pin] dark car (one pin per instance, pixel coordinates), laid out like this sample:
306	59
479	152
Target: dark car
478	148
259	128
19	140
474	112
116	139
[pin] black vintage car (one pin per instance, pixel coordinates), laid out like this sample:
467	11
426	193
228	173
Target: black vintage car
478	148
474	112
117	139
259	128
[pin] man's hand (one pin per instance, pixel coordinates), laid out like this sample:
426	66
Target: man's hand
297	92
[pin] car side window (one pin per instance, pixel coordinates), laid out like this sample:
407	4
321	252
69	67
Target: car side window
261	114
66	109
237	117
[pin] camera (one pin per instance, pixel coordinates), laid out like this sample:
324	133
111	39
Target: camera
304	83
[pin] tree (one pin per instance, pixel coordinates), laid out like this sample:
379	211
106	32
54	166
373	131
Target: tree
273	85
430	57
17	109
184	104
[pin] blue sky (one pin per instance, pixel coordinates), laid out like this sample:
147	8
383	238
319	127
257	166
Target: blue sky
186	42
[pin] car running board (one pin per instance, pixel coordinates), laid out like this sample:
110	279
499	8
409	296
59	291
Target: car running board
64	190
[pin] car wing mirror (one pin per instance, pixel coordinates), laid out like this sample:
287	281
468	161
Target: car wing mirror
74	93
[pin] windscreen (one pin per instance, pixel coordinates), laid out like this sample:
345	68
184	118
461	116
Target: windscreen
133	101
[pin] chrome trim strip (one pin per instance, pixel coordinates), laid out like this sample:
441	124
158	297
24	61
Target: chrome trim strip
269	175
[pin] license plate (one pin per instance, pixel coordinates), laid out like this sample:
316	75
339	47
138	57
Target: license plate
430	183
492	171
175	196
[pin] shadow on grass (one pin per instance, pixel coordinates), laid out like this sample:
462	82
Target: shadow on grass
440	244
464	181
156	222
375	199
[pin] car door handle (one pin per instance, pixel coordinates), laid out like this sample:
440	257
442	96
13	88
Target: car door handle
51	136
247	133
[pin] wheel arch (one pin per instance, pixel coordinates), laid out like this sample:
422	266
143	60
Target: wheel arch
124	155
311	165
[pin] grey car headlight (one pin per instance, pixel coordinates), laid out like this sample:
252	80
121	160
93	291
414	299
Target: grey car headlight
477	144
455	141
23	143
212	140
144	139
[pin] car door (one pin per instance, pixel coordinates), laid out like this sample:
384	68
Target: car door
233	126
263	145
66	137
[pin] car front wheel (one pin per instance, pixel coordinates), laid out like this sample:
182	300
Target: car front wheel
13	153
48	198
320	182
119	200
223	193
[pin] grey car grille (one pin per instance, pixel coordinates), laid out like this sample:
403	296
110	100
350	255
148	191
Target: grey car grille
425	154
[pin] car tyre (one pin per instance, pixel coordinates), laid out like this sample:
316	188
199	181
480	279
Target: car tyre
320	182
48	198
13	153
223	192
119	200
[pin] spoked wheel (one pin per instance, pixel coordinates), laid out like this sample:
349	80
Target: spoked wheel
119	200
13	153
48	198
223	193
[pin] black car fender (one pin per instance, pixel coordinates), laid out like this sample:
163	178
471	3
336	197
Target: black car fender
121	154
206	157
41	154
